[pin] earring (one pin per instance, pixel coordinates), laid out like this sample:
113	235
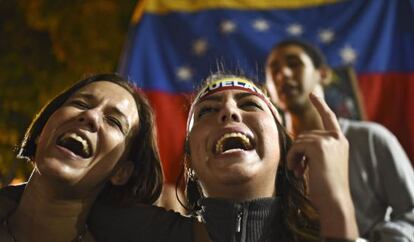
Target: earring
190	173
192	190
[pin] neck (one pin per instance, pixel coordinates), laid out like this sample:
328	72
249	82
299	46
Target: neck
43	215
304	120
243	192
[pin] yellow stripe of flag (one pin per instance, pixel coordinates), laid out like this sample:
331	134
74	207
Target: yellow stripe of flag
166	6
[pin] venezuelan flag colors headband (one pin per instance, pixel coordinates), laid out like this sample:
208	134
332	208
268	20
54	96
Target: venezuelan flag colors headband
229	83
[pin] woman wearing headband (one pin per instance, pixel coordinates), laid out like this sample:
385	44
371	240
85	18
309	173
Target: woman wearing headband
97	137
245	178
248	181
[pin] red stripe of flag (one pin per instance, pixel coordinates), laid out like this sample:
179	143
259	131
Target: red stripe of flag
171	117
389	100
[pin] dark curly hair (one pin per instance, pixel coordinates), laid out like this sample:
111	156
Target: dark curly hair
317	57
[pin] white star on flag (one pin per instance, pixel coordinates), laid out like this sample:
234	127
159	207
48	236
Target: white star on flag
326	36
184	73
227	26
261	25
295	29
348	54
200	47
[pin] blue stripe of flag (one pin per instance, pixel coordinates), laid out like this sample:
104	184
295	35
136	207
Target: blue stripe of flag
381	33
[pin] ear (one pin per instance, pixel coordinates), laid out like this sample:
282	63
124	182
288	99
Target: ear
122	174
326	75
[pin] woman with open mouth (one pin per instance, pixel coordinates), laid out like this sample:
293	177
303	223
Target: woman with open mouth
245	178
248	181
97	137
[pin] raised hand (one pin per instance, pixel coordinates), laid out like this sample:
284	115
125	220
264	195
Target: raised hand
325	154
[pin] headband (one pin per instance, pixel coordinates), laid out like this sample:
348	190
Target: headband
229	83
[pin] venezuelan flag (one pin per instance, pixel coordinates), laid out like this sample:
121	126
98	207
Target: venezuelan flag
172	45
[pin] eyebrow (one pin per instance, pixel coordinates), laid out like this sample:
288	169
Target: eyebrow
292	57
237	96
112	109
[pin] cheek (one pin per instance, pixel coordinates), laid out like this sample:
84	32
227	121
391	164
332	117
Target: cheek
59	118
270	137
46	136
195	150
113	145
113	152
197	146
310	79
198	137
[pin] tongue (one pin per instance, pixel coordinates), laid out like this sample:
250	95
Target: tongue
233	143
73	145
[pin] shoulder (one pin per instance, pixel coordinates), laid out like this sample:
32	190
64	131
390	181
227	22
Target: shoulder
374	142
137	212
371	130
9	199
139	222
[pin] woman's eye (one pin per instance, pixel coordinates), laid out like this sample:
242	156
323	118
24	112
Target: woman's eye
204	111
115	122
251	105
275	69
294	64
80	104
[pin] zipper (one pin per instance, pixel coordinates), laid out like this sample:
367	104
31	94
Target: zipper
239	236
239	220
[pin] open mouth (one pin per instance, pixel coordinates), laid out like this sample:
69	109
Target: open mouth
289	89
232	142
76	144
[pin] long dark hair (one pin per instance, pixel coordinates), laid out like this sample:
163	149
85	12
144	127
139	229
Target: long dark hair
145	184
300	219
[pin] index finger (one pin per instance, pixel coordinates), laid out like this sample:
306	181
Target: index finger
327	115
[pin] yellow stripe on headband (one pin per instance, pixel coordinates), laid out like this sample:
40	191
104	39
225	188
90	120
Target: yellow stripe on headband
227	83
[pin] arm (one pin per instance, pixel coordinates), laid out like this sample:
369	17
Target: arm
138	223
397	180
9	199
326	156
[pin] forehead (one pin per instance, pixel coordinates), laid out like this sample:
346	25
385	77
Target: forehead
112	95
228	94
288	51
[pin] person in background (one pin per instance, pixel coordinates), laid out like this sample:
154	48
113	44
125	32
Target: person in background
96	138
380	173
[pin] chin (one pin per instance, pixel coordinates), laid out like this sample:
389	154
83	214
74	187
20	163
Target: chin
236	176
55	171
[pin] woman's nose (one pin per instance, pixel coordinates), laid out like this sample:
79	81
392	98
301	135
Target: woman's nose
283	73
229	113
91	119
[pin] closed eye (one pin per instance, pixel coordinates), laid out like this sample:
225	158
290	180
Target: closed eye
294	63
205	110
80	104
113	121
250	105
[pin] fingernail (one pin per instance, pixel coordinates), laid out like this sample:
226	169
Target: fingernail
313	95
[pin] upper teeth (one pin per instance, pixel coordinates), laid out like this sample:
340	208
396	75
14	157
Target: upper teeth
84	143
244	138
